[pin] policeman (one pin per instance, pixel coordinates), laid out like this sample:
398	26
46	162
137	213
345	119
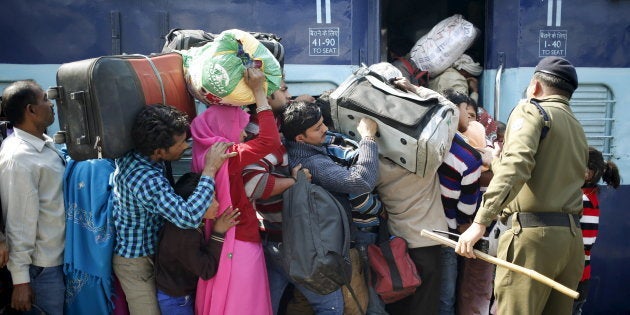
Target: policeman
536	192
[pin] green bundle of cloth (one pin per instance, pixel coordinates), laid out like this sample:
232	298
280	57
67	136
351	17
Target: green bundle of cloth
214	72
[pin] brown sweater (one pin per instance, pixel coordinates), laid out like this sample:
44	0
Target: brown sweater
183	257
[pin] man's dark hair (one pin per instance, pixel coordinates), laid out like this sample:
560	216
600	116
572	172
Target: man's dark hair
156	126
323	102
298	117
16	97
557	84
186	184
456	97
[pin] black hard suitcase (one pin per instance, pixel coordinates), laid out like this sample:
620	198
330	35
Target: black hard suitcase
98	100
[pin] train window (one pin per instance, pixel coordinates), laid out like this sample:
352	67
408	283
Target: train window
593	106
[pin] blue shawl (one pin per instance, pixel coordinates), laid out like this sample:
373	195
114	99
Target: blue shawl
89	236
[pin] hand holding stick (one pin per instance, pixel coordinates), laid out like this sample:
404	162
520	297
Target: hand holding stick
500	262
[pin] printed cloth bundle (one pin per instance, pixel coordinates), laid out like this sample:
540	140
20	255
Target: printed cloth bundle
443	45
214	71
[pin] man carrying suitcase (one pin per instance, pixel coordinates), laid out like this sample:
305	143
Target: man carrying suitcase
143	198
31	173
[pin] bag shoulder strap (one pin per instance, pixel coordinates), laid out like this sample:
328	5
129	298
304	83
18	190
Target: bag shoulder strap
386	249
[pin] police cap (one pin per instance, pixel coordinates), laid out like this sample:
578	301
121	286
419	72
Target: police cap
560	68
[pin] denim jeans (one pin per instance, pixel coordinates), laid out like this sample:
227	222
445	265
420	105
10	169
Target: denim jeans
449	281
49	289
176	305
328	304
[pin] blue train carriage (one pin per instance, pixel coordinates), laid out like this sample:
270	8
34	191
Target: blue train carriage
323	38
326	39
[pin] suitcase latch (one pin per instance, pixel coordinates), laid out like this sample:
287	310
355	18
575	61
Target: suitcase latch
78	96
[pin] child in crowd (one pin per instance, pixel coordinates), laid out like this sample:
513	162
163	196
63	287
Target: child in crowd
185	255
597	169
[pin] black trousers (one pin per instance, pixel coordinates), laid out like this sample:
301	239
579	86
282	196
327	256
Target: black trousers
426	299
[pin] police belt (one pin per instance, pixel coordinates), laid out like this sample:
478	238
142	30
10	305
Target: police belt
542	219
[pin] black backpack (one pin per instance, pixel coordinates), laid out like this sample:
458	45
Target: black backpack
315	237
179	39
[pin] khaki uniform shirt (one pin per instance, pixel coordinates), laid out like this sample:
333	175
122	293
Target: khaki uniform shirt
534	175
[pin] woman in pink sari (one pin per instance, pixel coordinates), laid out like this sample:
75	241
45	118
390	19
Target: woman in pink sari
240	285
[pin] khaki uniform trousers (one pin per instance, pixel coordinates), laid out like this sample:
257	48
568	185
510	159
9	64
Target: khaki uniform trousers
554	251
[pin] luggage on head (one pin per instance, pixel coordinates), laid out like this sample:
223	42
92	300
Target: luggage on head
214	71
441	47
98	100
414	130
179	39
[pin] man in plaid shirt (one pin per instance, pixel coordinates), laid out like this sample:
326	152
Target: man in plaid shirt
143	198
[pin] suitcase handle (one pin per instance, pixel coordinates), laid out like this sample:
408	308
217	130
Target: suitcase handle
79	96
54	93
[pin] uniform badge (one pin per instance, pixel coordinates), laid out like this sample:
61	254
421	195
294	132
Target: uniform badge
518	124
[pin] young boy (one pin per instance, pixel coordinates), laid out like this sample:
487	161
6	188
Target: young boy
184	255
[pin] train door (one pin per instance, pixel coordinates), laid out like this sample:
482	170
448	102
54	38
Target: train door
404	22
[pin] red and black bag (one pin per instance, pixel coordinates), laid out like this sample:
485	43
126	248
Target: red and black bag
415	75
394	275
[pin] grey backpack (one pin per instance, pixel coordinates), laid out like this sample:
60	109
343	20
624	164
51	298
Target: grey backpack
315	237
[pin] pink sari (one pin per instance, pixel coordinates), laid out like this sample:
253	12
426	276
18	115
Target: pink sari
240	285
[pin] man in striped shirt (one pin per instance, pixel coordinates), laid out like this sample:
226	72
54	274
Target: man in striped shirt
265	181
459	182
143	198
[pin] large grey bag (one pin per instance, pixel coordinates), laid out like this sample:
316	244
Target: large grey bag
315	237
414	130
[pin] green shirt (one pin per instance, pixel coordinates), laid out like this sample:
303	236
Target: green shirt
534	175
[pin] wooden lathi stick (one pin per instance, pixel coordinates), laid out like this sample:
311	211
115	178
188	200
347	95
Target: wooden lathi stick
500	262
